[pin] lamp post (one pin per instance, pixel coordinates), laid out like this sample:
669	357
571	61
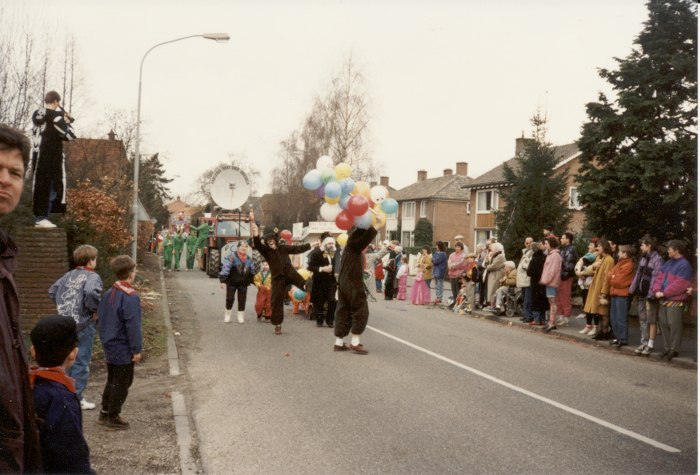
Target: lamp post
219	38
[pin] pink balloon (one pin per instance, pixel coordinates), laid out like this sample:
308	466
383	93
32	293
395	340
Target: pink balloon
358	205
345	220
321	191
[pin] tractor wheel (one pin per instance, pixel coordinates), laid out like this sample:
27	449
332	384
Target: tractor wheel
214	263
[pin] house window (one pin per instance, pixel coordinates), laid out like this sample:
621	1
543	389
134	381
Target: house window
486	201
482	235
469	207
407	238
409	210
447	244
574	198
423	209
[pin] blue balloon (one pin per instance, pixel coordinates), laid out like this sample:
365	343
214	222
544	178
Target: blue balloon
344	201
390	206
333	190
347	185
364	221
312	180
299	294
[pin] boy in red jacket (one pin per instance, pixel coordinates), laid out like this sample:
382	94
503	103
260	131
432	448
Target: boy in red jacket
620	278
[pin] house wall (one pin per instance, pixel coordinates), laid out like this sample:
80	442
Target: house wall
449	218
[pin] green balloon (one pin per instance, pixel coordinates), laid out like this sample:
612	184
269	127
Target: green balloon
329	175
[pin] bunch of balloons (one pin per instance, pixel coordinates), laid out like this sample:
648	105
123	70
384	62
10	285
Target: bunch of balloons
348	203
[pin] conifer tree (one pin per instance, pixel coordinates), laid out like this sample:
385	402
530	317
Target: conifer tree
639	153
537	196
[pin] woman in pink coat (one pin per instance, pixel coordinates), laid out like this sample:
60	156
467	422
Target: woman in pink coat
456	264
551	278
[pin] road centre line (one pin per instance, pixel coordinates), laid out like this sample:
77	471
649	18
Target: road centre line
568	409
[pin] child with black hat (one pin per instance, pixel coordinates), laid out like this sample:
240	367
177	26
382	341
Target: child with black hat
63	446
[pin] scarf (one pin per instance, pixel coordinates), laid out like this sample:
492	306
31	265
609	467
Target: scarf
85	268
52	374
124	286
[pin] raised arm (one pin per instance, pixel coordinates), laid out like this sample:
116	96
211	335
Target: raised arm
360	239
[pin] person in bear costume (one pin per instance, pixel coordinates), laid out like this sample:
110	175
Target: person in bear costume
353	311
283	274
322	264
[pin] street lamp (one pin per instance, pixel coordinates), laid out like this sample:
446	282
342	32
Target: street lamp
219	38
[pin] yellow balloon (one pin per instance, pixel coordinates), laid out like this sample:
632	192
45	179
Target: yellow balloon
361	188
342	239
374	219
332	201
343	170
378	208
305	274
382	219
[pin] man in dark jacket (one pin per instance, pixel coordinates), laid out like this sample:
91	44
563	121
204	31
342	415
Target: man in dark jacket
322	264
569	258
19	439
283	274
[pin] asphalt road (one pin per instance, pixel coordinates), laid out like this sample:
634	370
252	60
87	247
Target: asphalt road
438	393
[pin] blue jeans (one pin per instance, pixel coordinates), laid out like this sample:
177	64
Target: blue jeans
438	286
378	283
81	368
618	317
537	317
527	303
427	281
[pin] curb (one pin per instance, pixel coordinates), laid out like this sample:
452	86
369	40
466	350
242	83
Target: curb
182	421
627	350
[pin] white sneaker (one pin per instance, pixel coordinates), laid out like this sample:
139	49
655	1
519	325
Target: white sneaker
241	317
584	331
84	404
227	316
581	315
44	223
593	331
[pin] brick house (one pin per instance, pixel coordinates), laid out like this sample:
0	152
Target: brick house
484	191
102	161
444	201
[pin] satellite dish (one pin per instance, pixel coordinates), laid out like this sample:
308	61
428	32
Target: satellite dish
229	188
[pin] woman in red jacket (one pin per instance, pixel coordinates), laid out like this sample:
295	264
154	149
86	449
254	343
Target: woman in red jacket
620	278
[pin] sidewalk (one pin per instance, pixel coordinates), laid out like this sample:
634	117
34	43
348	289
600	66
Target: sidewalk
689	344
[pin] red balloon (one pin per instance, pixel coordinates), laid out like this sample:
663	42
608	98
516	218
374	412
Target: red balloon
286	235
358	205
345	220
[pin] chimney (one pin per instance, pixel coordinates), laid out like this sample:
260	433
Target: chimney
422	175
462	168
447	172
111	135
384	180
520	144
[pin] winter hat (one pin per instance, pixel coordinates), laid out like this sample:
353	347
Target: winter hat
590	257
326	241
325	235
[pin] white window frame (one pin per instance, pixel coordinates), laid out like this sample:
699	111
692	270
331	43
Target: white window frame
424	209
469	207
491	234
447	244
410	238
406	206
572	205
494	201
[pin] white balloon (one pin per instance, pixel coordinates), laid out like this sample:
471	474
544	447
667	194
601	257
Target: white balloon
323	163
378	193
329	211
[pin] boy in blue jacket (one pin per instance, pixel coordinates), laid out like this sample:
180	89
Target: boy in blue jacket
119	323
63	446
77	295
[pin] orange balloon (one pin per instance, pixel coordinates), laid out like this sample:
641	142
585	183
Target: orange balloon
362	188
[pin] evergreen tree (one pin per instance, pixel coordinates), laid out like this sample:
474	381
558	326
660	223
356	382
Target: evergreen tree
639	153
423	234
537	196
153	189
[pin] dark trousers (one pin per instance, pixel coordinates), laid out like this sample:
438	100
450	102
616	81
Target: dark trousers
454	283
319	297
279	292
352	313
389	286
231	293
119	379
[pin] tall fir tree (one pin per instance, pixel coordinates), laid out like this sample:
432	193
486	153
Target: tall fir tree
537	196
639	153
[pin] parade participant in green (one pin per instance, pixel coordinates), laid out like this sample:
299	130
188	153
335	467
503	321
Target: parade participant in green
167	251
202	233
178	245
191	243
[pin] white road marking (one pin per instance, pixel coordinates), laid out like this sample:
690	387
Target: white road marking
571	410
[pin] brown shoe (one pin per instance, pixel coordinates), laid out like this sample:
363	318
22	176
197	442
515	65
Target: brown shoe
102	418
278	329
359	349
116	423
341	348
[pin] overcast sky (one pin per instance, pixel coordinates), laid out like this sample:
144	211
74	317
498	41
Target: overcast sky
450	80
